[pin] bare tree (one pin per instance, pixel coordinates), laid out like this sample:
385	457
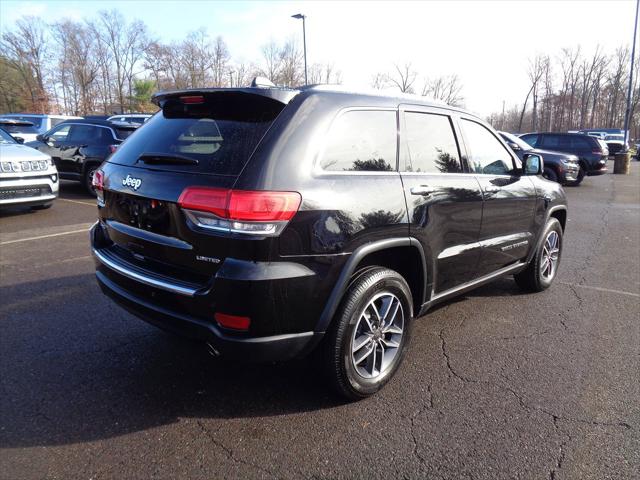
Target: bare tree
404	77
125	43
26	50
379	81
220	62
272	60
446	88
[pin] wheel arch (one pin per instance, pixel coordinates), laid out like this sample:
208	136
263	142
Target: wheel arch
404	255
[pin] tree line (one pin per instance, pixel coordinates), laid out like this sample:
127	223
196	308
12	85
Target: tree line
575	90
107	64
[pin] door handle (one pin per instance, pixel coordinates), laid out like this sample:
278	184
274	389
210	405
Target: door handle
422	190
491	189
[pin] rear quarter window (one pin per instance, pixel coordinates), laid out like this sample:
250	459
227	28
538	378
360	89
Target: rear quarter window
362	141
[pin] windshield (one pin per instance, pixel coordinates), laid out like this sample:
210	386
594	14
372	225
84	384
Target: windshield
220	133
5	138
518	141
37	121
615	137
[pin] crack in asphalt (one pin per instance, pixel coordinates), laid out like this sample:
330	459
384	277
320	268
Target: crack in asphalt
561	450
521	400
229	452
428	405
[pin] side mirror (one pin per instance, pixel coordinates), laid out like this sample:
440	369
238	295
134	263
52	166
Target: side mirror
40	137
19	139
532	164
514	146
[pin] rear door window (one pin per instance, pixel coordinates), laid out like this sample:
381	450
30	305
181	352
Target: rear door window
220	133
84	134
362	140
429	144
580	144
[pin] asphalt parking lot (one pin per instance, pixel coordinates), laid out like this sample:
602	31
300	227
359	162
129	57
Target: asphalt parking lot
497	384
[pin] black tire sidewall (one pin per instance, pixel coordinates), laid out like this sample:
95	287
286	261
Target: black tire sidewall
375	281
552	225
88	178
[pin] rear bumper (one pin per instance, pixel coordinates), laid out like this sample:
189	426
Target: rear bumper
179	308
257	349
599	168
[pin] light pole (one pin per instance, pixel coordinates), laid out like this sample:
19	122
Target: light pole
629	92
304	42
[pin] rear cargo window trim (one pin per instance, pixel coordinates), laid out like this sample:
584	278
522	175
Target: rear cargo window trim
318	171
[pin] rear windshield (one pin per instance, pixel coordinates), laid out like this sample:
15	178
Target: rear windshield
18	128
37	121
123	133
220	133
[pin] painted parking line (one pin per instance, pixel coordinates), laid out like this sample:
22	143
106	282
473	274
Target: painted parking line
89	204
40	237
600	289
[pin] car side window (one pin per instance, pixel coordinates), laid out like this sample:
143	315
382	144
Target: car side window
486	154
530	139
83	133
580	144
61	133
362	140
429	144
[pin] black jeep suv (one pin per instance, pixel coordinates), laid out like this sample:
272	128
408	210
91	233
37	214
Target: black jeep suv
592	152
78	147
271	222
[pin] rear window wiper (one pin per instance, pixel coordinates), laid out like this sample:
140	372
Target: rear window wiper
167	158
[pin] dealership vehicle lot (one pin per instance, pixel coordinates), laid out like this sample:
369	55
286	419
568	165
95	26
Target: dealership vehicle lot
498	384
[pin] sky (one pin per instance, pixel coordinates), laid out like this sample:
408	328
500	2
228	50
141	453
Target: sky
486	43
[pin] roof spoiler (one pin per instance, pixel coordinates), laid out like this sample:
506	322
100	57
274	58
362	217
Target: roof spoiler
281	95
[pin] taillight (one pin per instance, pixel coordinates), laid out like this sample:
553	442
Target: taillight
98	180
596	151
240	211
113	148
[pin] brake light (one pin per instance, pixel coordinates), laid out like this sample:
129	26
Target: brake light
232	321
596	151
240	211
113	148
192	99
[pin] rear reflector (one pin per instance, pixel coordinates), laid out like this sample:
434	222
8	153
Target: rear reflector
232	321
243	205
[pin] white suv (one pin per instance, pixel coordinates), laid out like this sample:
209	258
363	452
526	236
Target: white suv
27	177
42	123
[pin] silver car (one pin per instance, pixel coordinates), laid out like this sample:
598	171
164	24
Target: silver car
27	177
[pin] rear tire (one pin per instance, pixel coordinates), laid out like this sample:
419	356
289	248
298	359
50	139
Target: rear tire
543	267
550	174
369	334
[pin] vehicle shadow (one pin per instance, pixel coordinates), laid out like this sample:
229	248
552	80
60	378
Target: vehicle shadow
77	368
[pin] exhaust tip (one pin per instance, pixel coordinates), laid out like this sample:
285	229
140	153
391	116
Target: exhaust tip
212	350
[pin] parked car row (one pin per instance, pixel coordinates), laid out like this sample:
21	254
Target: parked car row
72	149
591	152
